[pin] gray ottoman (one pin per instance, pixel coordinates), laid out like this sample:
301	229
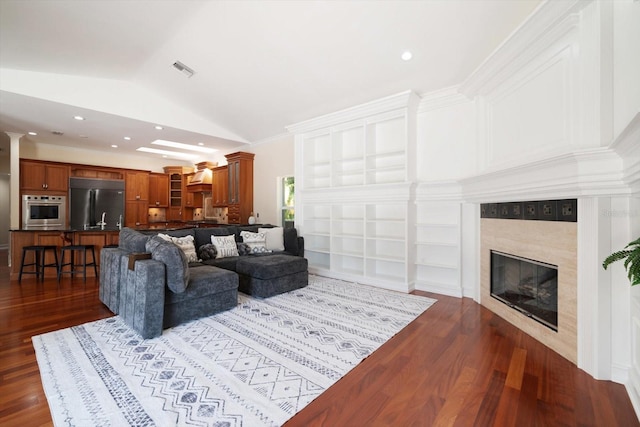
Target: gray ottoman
265	276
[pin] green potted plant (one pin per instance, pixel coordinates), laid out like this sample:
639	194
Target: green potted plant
631	255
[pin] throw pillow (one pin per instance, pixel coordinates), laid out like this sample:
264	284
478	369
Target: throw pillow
275	238
176	265
225	246
207	251
243	249
185	243
256	241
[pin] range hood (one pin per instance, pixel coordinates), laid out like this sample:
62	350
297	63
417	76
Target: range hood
201	180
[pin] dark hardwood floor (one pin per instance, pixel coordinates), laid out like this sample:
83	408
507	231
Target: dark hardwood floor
456	365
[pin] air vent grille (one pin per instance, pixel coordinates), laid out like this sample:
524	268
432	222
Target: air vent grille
183	69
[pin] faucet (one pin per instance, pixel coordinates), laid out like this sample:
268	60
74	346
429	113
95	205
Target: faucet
119	223
102	223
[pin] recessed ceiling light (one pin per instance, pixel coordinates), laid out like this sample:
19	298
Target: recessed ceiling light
406	55
78	117
201	143
114	146
159	127
183	146
168	153
33	133
127	138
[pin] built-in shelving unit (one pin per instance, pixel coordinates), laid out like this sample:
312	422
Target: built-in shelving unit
354	199
438	248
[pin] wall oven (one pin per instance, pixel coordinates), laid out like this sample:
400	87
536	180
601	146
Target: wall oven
43	212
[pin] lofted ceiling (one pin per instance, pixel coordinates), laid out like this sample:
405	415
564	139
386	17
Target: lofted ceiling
259	65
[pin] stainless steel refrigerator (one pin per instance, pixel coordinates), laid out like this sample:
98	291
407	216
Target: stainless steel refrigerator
95	199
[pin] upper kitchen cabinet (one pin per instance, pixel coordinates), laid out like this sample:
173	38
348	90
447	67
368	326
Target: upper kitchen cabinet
136	185
240	176
158	190
220	194
43	177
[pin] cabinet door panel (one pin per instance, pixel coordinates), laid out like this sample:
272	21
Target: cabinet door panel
32	176
57	178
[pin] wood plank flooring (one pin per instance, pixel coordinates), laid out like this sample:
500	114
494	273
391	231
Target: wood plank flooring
456	365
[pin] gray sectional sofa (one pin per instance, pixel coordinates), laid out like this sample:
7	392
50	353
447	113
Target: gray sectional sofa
149	281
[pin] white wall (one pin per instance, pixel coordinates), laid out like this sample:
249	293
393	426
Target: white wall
626	62
274	159
54	153
446	142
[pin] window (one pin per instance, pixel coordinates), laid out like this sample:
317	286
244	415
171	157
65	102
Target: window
287	202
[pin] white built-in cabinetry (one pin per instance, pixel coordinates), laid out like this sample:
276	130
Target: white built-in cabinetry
354	202
438	247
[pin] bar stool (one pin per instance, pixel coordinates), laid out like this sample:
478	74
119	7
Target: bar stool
73	267
39	255
37	252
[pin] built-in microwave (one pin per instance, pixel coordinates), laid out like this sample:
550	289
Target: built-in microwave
43	212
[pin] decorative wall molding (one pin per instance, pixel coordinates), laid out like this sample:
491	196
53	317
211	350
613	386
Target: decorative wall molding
588	172
442	98
627	145
551	21
439	191
406	99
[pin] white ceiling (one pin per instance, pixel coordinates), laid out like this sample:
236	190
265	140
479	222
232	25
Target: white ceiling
259	65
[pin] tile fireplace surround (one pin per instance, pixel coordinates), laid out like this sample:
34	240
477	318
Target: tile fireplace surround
546	241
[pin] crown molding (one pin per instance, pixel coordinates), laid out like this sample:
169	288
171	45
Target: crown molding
442	98
406	99
550	22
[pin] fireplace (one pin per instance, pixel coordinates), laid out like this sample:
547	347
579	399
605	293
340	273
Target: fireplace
533	247
526	285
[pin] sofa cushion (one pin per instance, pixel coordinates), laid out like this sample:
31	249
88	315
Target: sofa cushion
272	266
203	281
131	240
226	263
185	244
275	238
225	246
177	266
291	241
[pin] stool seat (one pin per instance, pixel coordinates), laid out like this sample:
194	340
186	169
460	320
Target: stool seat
73	267
39	263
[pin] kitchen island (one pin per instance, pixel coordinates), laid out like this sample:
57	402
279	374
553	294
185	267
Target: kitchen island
97	236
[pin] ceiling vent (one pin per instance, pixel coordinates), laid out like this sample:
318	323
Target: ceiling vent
57	132
183	68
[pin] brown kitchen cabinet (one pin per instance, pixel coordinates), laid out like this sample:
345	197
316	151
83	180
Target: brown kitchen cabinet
136	185
181	202
240	186
136	205
220	187
158	190
136	213
37	177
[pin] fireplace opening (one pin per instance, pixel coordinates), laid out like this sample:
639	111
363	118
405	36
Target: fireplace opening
526	285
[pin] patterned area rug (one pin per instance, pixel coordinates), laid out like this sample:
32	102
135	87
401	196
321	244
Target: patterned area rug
257	364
